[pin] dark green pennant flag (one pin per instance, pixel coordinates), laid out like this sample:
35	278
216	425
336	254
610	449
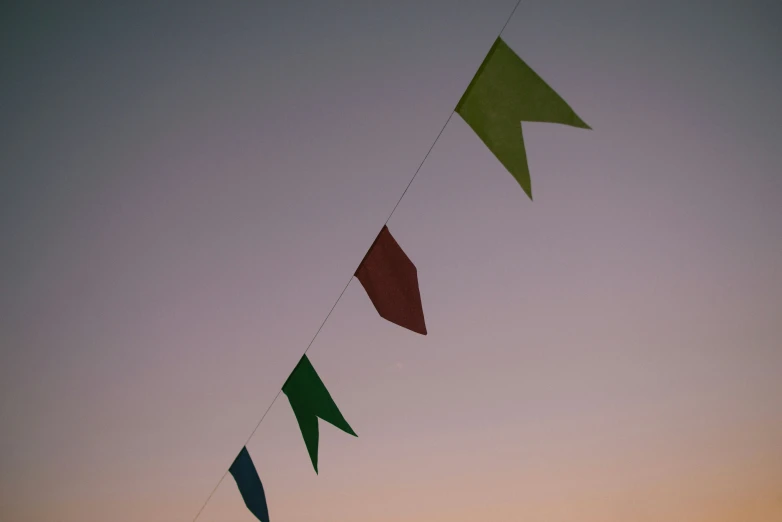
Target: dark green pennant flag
310	399
243	471
503	93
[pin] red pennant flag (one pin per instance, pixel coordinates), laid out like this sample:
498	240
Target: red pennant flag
391	282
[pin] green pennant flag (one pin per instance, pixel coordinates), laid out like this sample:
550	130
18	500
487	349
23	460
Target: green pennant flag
503	93
310	399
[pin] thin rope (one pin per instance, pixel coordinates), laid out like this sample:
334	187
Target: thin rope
349	281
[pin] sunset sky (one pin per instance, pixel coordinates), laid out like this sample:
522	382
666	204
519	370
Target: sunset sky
186	188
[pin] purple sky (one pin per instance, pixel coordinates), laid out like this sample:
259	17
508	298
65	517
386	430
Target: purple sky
185	190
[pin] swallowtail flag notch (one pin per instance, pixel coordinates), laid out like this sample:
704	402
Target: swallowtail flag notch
249	483
504	92
310	399
391	282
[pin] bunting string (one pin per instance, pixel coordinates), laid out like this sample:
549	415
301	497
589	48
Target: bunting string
342	293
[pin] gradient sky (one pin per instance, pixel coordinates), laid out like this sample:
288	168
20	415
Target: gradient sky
185	190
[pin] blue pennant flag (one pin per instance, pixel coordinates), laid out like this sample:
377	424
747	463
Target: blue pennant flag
243	471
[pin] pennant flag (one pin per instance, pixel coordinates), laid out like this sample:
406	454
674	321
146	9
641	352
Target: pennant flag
250	485
310	399
391	282
503	93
